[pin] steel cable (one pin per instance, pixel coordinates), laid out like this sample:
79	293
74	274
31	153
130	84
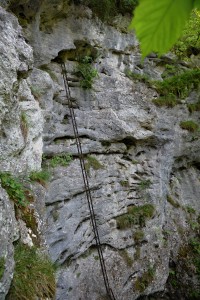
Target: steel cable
86	185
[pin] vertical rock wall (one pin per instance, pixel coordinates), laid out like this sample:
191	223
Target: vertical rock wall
136	154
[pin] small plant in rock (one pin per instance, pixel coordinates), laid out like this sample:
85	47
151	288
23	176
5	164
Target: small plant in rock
40	176
24	125
138	236
138	77
61	160
87	72
34	275
36	91
124	183
128	260
172	202
190	210
14	188
192	107
144	184
143	281
136	215
92	162
189	125
169	101
2	266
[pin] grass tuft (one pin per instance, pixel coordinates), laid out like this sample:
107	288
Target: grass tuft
40	176
189	125
137	215
33	275
14	188
60	160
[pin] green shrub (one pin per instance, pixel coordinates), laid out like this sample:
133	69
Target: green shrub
14	188
189	125
61	160
87	72
33	275
2	266
40	176
137	215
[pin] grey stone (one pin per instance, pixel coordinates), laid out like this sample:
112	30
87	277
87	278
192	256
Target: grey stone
8	234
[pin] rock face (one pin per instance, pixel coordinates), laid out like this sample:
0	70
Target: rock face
136	154
8	235
21	124
21	119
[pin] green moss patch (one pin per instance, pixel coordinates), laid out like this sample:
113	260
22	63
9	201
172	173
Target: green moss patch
189	125
137	215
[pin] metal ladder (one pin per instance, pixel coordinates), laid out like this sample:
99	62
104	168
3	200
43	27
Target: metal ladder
86	184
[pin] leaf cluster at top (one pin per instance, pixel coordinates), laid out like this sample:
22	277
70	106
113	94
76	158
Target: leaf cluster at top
159	24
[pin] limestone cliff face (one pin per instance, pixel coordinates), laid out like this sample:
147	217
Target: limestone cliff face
144	158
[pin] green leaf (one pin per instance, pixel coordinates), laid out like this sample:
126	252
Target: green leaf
158	24
197	4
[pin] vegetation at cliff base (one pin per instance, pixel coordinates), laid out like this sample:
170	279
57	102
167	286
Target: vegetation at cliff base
33	275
